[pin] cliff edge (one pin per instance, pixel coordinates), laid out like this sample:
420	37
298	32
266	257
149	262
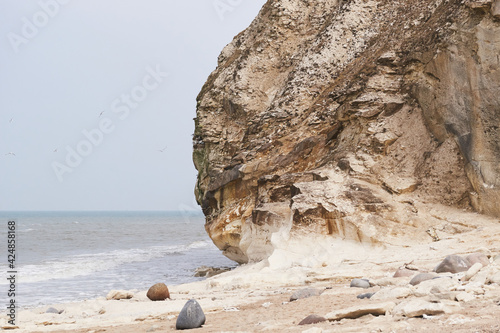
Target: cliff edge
375	121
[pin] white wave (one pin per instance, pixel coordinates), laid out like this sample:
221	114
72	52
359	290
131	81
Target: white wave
87	264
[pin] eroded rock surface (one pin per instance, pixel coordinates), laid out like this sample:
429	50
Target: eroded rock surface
353	119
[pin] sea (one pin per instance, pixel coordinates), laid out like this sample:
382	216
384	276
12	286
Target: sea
65	257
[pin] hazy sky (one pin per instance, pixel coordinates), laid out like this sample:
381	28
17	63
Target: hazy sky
62	63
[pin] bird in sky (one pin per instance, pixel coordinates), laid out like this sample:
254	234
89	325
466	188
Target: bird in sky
11	153
11	120
55	150
100	114
162	150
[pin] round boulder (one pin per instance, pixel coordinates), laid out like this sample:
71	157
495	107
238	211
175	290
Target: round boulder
158	292
191	316
453	264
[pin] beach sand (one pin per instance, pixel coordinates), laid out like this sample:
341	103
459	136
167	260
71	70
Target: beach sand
256	297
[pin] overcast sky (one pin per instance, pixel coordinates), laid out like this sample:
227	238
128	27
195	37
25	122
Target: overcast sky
97	99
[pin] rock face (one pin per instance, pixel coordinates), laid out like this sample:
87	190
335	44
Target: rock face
352	119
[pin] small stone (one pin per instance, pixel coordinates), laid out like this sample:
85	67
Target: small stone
191	316
305	293
390	293
366	295
418	307
464	297
417	279
478	258
360	283
119	294
439	285
54	310
472	271
453	264
312	319
404	272
158	292
354	312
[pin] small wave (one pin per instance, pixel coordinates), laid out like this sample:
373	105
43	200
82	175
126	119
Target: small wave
87	264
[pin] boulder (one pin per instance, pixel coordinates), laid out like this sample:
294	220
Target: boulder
453	264
191	316
312	319
478	258
360	283
422	277
305	293
158	292
377	309
119	294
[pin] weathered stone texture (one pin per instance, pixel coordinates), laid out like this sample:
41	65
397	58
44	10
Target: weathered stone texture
350	118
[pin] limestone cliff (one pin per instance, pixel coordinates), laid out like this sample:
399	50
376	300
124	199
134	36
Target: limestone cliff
359	119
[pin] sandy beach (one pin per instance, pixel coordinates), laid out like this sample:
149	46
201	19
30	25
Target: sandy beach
256	297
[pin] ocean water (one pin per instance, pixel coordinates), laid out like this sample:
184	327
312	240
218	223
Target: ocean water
72	256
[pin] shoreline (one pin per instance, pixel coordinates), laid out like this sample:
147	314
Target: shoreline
256	297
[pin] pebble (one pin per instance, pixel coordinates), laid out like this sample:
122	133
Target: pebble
54	310
191	316
360	283
366	295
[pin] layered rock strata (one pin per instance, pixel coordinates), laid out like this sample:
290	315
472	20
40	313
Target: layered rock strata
353	119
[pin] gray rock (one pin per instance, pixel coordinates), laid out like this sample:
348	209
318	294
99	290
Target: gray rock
360	283
453	264
377	309
54	310
438	285
305	293
312	319
478	258
417	279
191	316
366	295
